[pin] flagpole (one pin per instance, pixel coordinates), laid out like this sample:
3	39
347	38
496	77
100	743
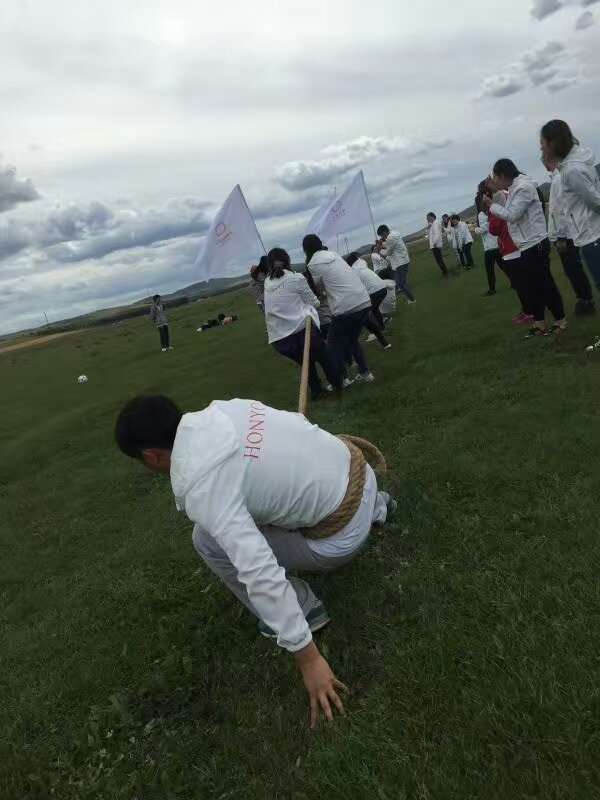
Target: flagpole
253	220
369	203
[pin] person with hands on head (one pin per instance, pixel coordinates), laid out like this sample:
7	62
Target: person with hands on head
268	493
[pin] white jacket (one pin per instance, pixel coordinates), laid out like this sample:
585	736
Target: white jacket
581	195
524	213
558	222
388	307
451	237
369	279
436	238
239	465
483	229
379	263
463	234
288	301
395	251
344	289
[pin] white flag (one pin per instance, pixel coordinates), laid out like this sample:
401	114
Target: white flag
351	210
233	242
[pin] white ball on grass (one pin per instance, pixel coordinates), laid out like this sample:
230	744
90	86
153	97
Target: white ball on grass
82	379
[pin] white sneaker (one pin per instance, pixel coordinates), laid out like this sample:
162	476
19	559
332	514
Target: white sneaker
388	346
371	338
164	349
329	388
347	382
367	377
199	330
411	302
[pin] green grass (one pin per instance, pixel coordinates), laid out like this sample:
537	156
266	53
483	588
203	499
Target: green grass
468	630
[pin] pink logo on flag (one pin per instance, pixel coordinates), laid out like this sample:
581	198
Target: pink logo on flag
223	233
337	210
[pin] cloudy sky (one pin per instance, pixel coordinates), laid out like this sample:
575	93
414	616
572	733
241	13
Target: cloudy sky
125	125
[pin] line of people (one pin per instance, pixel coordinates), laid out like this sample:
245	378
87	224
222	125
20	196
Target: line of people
516	215
343	297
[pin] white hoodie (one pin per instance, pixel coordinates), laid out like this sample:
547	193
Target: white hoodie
395	251
436	238
463	234
483	229
558	222
524	213
369	279
344	289
238	465
581	195
288	301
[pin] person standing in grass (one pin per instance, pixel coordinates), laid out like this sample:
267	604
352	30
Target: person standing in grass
289	300
527	226
561	234
159	318
580	189
393	249
377	293
464	239
436	242
451	238
348	300
490	243
268	492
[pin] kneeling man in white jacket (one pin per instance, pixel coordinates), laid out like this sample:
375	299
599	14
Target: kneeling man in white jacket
268	492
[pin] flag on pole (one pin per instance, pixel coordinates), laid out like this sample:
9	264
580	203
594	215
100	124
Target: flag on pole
233	242
349	211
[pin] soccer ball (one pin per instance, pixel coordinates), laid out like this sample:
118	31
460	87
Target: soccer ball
82	379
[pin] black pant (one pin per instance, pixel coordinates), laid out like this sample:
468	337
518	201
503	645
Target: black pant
542	292
573	267
293	347
343	340
461	257
164	336
437	254
492	257
515	273
468	255
375	323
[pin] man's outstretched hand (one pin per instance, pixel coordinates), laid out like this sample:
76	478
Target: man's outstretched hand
321	684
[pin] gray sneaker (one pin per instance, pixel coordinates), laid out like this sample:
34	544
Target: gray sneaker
317	619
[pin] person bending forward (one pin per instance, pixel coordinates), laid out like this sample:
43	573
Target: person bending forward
262	487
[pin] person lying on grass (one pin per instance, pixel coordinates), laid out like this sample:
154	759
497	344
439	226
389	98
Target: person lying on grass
268	492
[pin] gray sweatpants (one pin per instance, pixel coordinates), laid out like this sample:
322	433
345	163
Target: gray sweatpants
292	552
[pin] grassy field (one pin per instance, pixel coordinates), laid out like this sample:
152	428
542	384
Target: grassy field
467	631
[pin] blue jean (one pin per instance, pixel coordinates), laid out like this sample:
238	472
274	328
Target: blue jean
591	254
401	278
343	340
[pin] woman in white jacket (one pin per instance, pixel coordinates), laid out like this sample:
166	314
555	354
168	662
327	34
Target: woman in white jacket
288	302
580	189
377	293
348	300
527	226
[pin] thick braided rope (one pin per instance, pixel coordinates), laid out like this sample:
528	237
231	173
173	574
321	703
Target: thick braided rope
361	453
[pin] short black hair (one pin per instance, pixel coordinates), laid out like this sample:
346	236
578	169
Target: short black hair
382	229
560	137
156	297
506	168
431	214
352	258
455	216
220	317
149	420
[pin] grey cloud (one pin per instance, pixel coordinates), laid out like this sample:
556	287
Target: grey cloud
543	8
76	233
560	84
546	65
15	190
339	159
586	20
